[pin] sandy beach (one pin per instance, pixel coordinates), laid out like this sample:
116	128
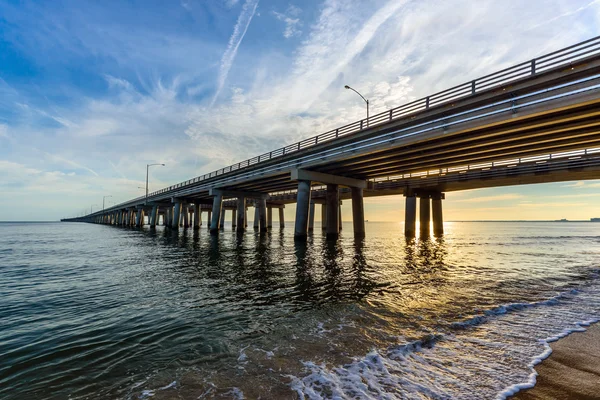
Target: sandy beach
571	372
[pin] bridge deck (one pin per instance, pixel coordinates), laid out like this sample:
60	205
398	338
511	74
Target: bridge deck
538	111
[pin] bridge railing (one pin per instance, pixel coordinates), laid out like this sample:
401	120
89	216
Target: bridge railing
563	57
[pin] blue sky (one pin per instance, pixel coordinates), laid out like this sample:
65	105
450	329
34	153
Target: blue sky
92	91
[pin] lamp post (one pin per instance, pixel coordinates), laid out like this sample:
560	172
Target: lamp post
93	205
147	169
363	97
104	197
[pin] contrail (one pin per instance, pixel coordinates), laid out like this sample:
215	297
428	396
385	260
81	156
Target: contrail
239	31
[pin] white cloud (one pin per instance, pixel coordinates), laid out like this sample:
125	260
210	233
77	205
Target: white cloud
582	185
500	197
239	31
292	21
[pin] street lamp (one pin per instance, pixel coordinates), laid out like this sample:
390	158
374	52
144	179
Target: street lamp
147	168
363	97
104	197
93	205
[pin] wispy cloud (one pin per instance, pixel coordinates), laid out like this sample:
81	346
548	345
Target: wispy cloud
239	31
292	21
582	185
70	163
500	197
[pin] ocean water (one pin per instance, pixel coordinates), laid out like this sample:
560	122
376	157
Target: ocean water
98	312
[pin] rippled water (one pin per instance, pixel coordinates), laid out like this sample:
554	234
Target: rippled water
90	311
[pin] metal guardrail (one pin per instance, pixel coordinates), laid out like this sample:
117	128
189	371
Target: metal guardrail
563	57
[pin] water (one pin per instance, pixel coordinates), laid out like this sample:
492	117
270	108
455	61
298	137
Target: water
90	311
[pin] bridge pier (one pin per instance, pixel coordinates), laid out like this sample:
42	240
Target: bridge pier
323	217
153	216
241	214
222	221
262	215
216	212
340	216
311	217
197	216
270	217
302	209
410	216
438	220
234	219
185	210
138	217
176	215
168	216
281	218
424	216
358	212
332	199
256	218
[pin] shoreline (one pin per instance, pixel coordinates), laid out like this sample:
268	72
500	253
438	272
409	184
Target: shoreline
569	369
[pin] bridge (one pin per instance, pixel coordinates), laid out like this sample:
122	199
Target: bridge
534	122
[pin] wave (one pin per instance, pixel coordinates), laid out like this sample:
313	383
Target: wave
488	356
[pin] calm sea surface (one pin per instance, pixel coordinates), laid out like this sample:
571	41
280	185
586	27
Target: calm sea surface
97	312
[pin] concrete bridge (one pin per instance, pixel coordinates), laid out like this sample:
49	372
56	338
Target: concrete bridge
535	122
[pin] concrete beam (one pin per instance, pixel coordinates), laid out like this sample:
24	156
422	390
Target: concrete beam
305	175
238	193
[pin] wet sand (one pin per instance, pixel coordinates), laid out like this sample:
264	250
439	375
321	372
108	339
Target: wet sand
571	372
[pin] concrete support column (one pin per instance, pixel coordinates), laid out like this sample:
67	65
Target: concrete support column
302	209
168	216
138	218
438	220
185	209
340	215
333	203
256	217
216	213
241	214
197	216
233	218
176	215
324	217
222	222
311	217
358	212
410	216
209	218
281	218
270	217
153	217
424	216
262	215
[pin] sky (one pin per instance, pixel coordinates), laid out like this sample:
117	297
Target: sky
90	92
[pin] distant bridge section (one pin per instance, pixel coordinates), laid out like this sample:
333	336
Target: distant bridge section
534	122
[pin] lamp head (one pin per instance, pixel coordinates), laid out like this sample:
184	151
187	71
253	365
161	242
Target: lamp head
347	87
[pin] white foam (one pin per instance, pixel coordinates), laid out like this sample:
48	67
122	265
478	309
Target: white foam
492	356
511	390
